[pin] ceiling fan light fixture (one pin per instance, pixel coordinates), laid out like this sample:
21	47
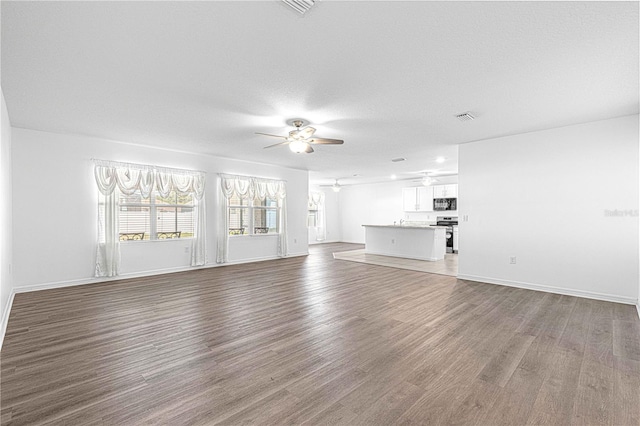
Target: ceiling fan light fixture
428	181
336	187
298	146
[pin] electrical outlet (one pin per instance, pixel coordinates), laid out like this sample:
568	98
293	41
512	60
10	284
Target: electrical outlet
512	260
295	241
186	249
393	241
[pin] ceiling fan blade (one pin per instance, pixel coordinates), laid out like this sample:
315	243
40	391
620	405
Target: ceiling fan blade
325	141
273	136
306	133
277	144
309	150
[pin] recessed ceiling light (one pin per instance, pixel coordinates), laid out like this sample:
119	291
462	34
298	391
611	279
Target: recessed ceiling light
397	160
440	160
393	176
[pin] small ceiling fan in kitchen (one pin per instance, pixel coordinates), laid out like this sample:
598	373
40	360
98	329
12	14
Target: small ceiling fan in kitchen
301	138
431	178
336	187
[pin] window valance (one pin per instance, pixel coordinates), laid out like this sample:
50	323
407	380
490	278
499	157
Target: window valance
130	177
248	187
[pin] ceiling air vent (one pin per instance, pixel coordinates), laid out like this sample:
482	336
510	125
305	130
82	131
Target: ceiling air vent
465	116
399	159
300	6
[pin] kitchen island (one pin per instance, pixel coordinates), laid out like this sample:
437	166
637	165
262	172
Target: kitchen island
411	242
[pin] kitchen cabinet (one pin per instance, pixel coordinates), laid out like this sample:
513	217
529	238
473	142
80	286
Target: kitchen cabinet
417	199
445	191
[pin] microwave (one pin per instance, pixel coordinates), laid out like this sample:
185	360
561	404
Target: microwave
442	204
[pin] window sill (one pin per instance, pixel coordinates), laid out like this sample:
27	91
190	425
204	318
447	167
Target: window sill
156	241
254	235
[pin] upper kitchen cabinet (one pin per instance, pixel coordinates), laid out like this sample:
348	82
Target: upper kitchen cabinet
417	199
445	191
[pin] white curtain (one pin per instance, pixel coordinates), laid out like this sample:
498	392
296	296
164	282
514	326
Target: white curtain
248	188
114	178
316	200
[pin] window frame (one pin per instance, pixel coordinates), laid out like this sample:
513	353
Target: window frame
153	215
251	208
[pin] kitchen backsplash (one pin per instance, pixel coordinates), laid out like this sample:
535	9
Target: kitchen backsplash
428	217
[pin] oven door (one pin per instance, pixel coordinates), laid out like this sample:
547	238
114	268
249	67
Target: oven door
449	239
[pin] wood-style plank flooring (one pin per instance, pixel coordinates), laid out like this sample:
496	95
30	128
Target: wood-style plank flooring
446	266
313	340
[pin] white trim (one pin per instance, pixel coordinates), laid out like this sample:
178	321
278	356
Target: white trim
552	289
5	317
83	281
638	308
312	243
402	256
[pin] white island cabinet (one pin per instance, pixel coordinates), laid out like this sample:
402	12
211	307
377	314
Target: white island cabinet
411	242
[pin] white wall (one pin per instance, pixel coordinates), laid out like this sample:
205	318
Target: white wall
543	197
6	276
332	217
379	204
55	205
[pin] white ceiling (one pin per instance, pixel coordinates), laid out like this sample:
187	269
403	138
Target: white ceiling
387	77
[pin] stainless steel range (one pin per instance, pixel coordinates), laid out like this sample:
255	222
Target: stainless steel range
450	222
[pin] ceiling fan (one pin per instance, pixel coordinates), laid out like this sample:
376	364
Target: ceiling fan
301	139
431	178
336	187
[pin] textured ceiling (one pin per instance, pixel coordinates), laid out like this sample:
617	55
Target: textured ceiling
387	77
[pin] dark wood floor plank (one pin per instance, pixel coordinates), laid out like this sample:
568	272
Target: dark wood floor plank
313	340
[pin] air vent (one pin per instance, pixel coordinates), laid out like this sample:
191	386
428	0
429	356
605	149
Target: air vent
465	116
399	159
300	6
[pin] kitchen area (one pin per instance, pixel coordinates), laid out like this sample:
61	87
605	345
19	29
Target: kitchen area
403	210
421	203
424	233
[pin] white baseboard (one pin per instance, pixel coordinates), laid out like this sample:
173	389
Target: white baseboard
550	289
402	256
5	317
313	243
140	274
255	259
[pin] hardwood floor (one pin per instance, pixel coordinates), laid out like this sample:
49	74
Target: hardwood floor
446	266
313	340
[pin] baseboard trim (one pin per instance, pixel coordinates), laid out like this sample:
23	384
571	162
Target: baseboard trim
5	317
379	253
550	289
314	243
141	274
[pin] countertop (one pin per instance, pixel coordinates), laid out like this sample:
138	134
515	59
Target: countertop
408	226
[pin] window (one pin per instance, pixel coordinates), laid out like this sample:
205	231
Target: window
156	217
251	206
265	216
312	214
130	208
260	216
238	216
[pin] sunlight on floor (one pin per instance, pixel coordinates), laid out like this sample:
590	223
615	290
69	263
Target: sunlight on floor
447	266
